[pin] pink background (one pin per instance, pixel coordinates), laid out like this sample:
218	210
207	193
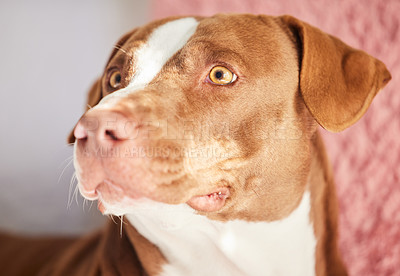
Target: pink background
366	156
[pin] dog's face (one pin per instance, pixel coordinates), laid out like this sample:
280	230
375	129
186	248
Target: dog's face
217	113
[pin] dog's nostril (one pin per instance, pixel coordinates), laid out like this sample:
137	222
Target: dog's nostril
80	132
112	135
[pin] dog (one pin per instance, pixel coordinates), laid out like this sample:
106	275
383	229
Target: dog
202	135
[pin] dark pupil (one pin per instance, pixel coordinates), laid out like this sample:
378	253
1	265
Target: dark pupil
117	78
219	74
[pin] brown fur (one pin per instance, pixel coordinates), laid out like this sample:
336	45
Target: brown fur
290	76
104	252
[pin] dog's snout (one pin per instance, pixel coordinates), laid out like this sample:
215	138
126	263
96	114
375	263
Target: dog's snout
104	127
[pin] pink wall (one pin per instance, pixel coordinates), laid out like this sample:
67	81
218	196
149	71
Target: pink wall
366	156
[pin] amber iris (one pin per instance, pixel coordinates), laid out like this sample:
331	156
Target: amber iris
221	75
115	79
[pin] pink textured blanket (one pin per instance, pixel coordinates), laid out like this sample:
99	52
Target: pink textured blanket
366	157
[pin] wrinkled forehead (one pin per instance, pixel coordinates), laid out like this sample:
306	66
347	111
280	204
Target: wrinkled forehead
171	34
151	46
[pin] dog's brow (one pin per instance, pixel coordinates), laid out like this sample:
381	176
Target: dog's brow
214	53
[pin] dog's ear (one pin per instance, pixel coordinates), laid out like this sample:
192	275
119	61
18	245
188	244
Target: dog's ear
95	93
337	82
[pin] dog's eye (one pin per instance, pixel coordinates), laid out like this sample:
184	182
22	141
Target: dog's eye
115	79
221	75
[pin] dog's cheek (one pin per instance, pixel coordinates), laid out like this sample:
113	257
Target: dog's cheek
281	167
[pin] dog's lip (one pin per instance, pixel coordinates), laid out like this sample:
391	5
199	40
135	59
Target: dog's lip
210	202
89	195
105	187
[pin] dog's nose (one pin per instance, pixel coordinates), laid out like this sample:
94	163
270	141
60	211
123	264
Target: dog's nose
105	127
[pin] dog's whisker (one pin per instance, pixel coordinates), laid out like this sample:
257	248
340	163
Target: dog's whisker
76	192
65	167
119	48
84	204
122	221
68	159
87	204
70	193
91	205
112	218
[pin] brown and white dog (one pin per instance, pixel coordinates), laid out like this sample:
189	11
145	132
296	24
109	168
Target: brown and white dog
203	135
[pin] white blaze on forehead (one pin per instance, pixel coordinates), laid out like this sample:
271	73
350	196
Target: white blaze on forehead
162	44
151	57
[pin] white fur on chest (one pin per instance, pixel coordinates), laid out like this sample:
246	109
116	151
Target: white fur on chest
196	245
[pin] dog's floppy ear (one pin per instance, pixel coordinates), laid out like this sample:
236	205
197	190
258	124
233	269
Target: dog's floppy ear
95	93
337	82
93	98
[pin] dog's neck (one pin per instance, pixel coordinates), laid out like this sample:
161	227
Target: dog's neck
192	243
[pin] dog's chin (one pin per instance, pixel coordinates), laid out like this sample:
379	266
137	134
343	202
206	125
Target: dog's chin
118	208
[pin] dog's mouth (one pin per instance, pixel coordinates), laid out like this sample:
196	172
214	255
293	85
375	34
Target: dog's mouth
206	203
108	194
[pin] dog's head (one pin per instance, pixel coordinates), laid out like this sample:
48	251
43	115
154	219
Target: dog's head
218	113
